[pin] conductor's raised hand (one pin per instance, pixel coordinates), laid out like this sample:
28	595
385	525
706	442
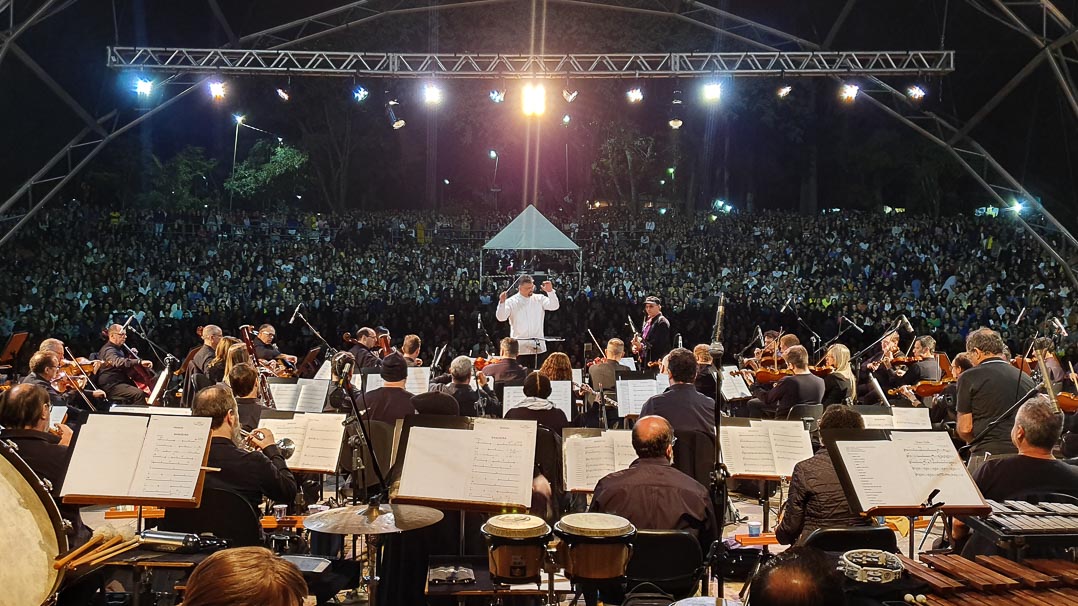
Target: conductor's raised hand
501	297
548	286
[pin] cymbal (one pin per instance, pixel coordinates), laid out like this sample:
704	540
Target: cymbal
357	519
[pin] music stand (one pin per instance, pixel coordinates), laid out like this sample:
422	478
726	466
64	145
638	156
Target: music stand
11	349
536	342
306	368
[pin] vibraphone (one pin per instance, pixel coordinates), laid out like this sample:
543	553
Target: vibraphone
1017	525
995	581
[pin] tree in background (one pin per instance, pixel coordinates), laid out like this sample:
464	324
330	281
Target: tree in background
271	173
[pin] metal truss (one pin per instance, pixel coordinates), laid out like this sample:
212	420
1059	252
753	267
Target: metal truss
611	65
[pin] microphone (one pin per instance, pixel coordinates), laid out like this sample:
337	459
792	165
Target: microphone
760	335
452	318
479	320
905	322
786	304
853	325
1060	328
1021	315
716	349
296	312
345	371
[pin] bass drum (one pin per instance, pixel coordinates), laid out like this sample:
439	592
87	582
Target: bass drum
32	534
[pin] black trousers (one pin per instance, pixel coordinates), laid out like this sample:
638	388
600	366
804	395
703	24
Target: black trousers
125	394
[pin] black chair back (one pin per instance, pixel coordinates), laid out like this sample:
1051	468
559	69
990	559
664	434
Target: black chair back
669	559
223	513
694	455
845	539
548	461
381	436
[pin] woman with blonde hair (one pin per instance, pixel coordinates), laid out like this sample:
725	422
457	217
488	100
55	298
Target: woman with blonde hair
215	370
840	384
237	354
245	576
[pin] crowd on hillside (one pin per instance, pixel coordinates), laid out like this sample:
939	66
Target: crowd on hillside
80	267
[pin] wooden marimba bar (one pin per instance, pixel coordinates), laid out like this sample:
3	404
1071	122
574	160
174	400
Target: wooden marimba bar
996	581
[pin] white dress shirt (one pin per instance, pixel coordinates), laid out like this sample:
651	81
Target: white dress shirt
525	315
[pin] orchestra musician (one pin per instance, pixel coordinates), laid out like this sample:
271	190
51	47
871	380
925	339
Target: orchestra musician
237	354
243	379
769	349
802	387
705	370
838	385
252	474
507	370
1045	348
927	367
685	408
986	391
653	342
410	349
390	401
458	383
115	375
44	369
215	369
266	349
525	311
879	366
211	336
74	400
363	349
537	407
604	374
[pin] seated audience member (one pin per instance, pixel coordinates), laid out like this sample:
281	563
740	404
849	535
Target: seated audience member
507	370
536	407
802	387
800	576
252	475
245	576
390	401
651	493
1033	471
816	498
458	383
24	416
685	408
243	378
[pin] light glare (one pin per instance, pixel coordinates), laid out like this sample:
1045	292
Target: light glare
360	94
675	123
533	99
712	92
283	94
849	92
493	154
568	95
916	93
432	94
217	90
785	91
144	87
634	95
497	96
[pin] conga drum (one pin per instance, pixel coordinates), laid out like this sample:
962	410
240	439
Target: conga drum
516	547
596	546
32	534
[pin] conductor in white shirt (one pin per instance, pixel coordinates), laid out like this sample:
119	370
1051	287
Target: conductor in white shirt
525	312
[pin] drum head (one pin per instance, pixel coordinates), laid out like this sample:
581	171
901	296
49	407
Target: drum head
516	526
31	535
595	525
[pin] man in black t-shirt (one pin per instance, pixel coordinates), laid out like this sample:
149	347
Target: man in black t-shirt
986	391
1033	471
802	387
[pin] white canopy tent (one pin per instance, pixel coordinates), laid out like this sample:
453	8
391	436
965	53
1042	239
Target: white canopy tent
530	230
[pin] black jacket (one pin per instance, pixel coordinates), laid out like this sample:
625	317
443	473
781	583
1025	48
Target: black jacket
250	474
657	342
816	501
685	408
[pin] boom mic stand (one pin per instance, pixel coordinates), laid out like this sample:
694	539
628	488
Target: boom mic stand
892	328
330	350
719	473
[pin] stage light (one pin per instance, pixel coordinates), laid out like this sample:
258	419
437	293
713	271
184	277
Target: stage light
634	95
677	97
217	90
360	94
239	118
533	99
283	94
432	94
916	93
662	211
492	154
569	95
670	171
712	92
394	121
497	96
785	91
143	87
848	92
445	181
1018	207
675	123
565	120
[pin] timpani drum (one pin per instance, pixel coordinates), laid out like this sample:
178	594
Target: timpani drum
596	546
516	547
32	534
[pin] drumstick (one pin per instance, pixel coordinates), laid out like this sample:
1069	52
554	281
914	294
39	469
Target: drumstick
112	542
115	551
100	535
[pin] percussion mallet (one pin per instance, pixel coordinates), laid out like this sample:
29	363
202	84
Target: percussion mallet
115	551
101	534
121	536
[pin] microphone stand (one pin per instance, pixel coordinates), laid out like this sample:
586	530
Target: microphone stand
719	472
841	331
154	347
330	350
815	337
893	327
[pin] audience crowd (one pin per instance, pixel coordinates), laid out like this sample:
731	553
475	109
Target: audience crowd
80	267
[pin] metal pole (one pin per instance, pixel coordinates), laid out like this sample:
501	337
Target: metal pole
235	146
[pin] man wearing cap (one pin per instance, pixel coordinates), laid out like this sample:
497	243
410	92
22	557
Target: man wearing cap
526	312
390	401
653	342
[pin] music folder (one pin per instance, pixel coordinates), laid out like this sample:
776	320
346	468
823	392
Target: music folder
885	472
590	454
763	449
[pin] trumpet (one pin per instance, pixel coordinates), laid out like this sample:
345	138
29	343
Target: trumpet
286	445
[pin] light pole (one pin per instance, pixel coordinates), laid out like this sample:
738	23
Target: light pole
494	189
235	145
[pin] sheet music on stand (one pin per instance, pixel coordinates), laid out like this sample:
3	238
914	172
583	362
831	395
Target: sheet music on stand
120	459
589	454
317	437
893	472
561	396
152	410
632	394
763	448
490	468
325	371
299	395
418	380
896	417
734	386
374	381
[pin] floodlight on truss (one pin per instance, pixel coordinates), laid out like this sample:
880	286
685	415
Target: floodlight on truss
569	95
283	94
848	92
143	87
915	92
675	123
217	90
784	91
634	95
433	94
497	95
533	99
391	113
712	92
360	94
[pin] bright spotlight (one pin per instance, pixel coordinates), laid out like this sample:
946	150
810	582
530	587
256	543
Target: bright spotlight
533	99
634	95
675	123
565	120
712	92
217	90
360	94
1018	207
785	91
848	92
569	95
239	118
394	121
916	93
432	94
493	154
497	96
283	94
445	181
144	87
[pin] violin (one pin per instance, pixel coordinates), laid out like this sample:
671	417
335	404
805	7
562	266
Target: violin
1068	402
65	382
924	389
481	363
593	362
